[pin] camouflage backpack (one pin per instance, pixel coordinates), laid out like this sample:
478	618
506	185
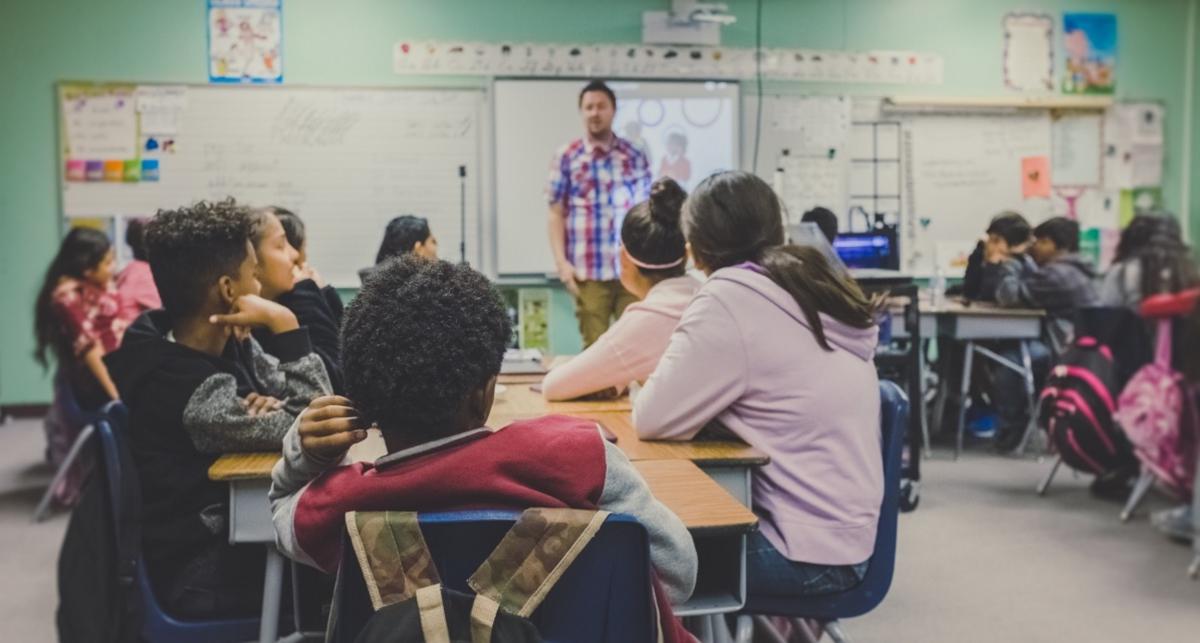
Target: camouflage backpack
412	605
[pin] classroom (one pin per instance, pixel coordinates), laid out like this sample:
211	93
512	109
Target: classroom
641	320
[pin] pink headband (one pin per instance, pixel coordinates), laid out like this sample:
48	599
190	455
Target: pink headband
653	266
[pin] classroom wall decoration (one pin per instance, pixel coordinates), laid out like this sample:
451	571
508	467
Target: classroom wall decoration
653	61
1029	52
245	41
1090	40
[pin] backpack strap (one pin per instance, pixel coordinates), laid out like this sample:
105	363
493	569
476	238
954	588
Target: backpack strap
1162	350
392	554
533	556
433	614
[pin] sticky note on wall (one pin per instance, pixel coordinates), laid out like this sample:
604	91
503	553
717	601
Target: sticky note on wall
114	171
1035	177
149	170
132	172
94	170
76	170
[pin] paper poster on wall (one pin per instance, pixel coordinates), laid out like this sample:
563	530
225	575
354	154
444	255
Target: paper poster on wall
1076	148
100	125
1090	41
1035	177
1029	52
245	41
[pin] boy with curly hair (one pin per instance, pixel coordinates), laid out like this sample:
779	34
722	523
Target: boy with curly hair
422	345
197	385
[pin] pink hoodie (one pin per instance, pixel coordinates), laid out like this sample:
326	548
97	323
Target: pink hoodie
630	349
743	355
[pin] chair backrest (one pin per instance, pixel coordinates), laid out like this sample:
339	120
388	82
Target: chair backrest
123	491
1123	331
865	596
605	596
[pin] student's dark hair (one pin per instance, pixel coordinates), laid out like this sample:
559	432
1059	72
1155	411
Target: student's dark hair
401	234
190	248
1062	231
1011	227
418	339
735	217
825	219
598	86
651	232
1156	241
81	250
135	237
293	225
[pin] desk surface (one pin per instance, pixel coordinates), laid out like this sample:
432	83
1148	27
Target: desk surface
519	402
692	495
701	452
979	308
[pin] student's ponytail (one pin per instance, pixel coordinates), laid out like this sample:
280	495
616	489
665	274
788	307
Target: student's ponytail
733	218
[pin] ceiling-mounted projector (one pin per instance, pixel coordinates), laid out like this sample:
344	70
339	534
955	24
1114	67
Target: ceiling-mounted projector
687	23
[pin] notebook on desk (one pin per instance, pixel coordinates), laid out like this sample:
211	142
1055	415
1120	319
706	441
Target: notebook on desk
523	362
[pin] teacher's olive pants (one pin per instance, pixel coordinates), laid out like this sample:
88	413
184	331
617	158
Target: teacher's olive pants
598	304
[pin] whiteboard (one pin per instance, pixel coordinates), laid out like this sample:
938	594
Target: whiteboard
535	118
960	170
346	160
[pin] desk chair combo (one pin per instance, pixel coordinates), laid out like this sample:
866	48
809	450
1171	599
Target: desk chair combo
73	419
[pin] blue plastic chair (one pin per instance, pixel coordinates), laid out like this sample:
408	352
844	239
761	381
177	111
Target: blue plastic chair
865	596
604	596
74	417
157	625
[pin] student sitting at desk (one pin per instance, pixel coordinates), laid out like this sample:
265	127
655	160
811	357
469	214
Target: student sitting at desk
404	234
297	237
286	282
1008	234
1052	276
1151	258
778	348
135	283
197	386
423	342
653	253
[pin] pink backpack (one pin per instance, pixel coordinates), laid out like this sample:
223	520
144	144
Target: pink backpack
1158	412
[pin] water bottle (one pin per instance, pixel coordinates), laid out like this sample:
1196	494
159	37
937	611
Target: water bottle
937	295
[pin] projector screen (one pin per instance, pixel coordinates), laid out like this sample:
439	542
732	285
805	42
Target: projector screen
687	129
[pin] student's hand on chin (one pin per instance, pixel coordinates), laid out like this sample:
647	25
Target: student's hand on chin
329	426
252	311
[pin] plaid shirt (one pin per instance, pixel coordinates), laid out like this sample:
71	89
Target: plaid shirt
597	186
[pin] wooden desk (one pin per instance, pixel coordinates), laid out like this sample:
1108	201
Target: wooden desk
519	402
730	463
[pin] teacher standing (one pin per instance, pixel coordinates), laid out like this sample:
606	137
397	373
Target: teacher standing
594	181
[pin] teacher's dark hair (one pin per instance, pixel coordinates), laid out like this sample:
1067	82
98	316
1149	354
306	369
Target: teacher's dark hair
401	234
735	217
651	232
598	86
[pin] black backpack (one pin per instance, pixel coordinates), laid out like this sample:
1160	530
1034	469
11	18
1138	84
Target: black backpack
1076	408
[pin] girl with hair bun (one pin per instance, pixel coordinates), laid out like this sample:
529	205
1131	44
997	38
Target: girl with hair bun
653	268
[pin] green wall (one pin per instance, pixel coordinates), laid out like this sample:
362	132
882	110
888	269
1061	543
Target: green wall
350	43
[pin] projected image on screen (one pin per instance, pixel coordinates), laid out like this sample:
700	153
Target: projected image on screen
686	137
688	130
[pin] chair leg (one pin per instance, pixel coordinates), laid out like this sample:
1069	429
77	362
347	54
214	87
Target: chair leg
1045	483
1194	568
43	507
762	625
836	632
964	403
1144	482
745	629
1031	397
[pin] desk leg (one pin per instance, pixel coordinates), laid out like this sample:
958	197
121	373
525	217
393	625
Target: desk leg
965	402
1030	393
920	401
1194	568
268	629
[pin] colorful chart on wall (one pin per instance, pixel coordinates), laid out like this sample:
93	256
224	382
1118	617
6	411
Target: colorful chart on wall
1090	41
245	41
